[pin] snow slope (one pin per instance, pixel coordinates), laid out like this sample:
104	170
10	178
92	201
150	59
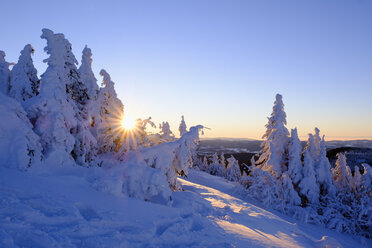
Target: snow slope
60	208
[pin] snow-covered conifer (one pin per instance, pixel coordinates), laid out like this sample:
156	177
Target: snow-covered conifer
294	158
367	179
357	179
276	139
87	75
53	112
182	128
317	142
222	161
289	195
308	185
342	174
215	167
19	147
205	164
273	165
311	148
165	133
323	171
4	73
111	112
56	111
24	82
233	170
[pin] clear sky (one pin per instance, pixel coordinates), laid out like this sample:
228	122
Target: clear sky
220	63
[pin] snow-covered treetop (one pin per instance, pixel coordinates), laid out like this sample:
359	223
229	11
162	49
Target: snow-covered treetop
87	56
26	53
294	157
182	128
86	73
59	49
166	133
106	79
4	73
2	57
24	82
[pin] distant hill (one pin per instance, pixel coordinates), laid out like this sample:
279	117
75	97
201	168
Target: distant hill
357	151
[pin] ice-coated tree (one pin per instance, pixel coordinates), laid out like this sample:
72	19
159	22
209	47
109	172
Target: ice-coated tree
19	147
87	75
57	112
215	167
275	139
356	179
367	179
53	112
317	141
288	194
273	165
165	133
24	82
111	111
264	187
308	186
4	73
222	161
92	108
244	180
342	174
294	158
233	170
182	128
205	164
323	171
311	148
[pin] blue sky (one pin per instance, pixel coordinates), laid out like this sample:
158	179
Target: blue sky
220	63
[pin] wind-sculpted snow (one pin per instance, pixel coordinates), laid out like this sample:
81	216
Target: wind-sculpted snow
59	208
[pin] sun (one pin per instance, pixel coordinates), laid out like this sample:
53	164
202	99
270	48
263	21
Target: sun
128	123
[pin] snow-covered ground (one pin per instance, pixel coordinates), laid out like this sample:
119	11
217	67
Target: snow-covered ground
60	208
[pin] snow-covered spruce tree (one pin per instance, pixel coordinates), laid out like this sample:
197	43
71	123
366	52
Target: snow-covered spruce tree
263	187
323	172
342	174
233	173
317	142
223	161
205	164
365	206
111	111
366	183
56	111
4	74
276	140
24	82
87	75
182	128
311	148
288	195
19	147
91	107
294	158
309	189
166	134
53	112
215	167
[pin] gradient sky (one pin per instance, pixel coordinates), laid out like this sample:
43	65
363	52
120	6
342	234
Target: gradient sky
220	63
